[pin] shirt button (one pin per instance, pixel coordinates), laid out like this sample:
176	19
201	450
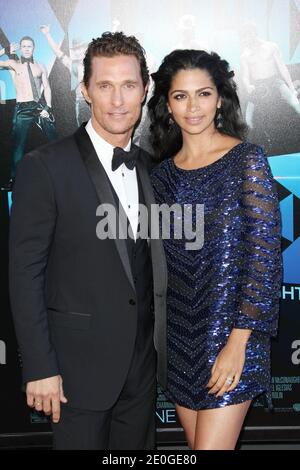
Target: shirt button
123	174
132	302
128	206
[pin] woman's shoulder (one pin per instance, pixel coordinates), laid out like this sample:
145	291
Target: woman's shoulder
254	162
243	146
254	154
242	149
254	149
247	154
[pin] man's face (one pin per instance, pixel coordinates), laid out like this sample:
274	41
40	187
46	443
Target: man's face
115	92
27	48
249	36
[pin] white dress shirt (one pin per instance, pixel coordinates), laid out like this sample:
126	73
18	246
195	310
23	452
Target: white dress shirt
123	179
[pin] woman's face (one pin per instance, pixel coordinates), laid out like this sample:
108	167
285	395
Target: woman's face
193	100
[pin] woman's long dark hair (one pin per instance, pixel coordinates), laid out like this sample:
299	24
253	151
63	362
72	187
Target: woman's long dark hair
166	137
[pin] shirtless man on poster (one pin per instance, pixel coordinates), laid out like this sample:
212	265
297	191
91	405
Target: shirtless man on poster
74	63
33	99
265	74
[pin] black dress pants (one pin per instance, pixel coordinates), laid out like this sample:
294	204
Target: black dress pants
129	424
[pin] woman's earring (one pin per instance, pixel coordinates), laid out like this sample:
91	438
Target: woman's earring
219	118
171	120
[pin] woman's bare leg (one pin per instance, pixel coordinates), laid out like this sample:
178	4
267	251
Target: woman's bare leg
219	428
188	420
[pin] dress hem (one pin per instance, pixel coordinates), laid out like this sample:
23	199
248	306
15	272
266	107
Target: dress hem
237	401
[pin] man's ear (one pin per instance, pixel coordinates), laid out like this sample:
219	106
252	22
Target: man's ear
85	93
146	89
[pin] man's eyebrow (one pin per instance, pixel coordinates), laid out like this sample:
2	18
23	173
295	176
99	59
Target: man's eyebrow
111	82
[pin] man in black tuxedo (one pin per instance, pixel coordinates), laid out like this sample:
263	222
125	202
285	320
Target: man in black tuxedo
88	310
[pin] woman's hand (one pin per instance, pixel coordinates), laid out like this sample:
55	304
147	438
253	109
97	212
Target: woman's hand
228	367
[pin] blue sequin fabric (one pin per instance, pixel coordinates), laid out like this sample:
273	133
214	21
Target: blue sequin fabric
233	281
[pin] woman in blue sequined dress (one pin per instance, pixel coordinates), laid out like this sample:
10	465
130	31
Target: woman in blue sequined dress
222	298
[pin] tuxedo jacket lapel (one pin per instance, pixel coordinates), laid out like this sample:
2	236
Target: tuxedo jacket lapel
104	192
157	251
160	279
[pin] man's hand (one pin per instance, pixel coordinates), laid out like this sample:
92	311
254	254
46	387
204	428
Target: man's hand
44	114
250	89
45	395
45	28
11	50
14	47
295	92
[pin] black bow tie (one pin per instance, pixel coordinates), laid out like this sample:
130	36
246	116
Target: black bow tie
121	156
27	59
